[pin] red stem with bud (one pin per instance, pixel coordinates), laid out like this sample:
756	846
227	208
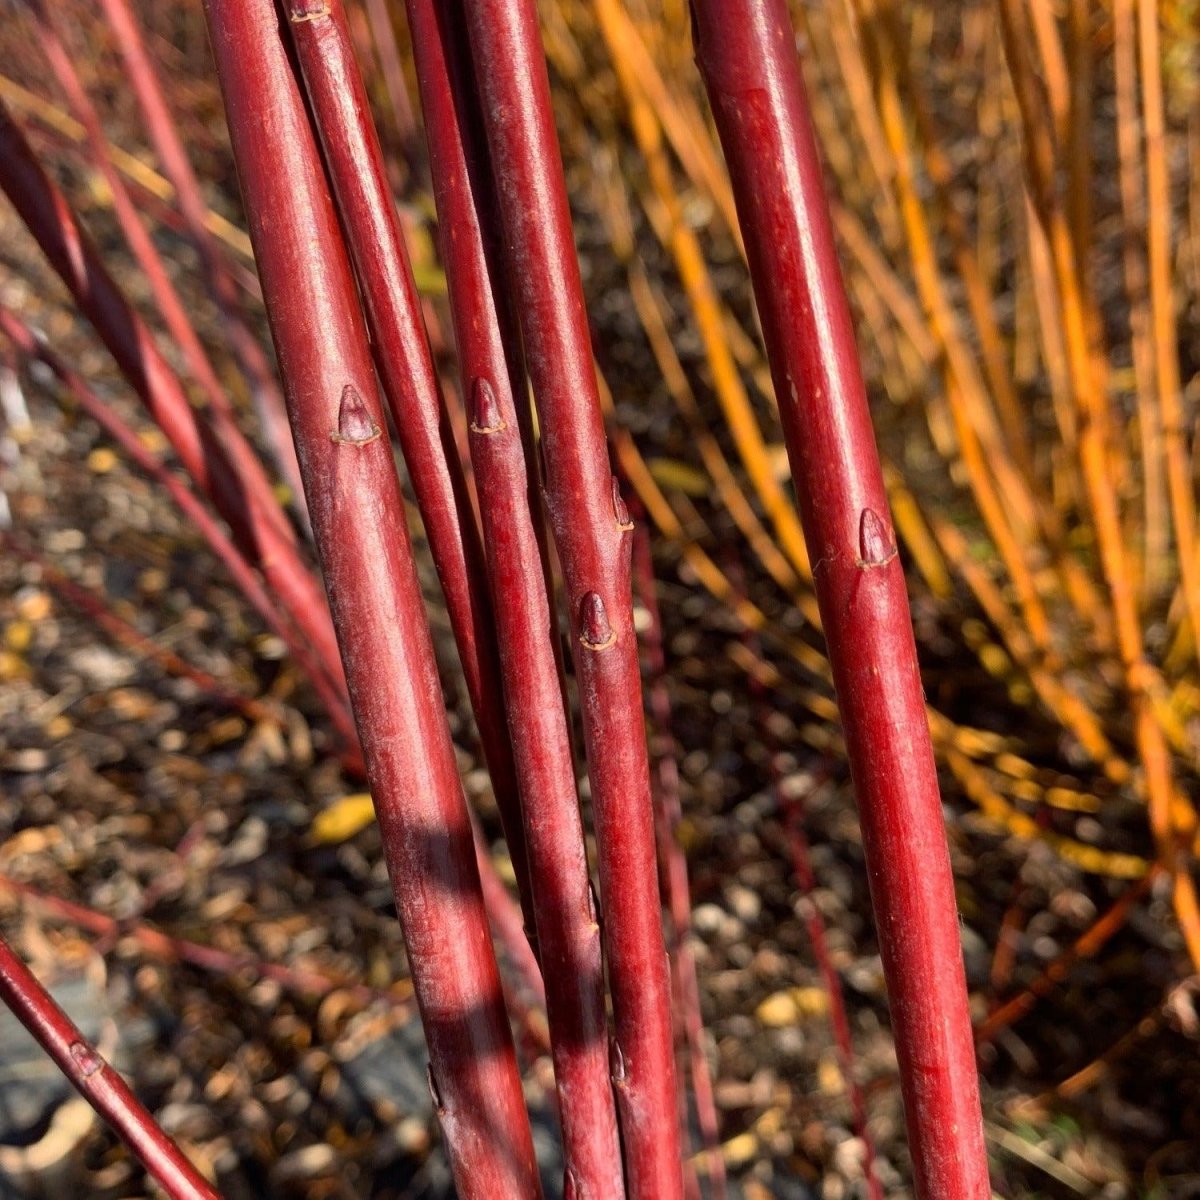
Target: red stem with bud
593	534
96	1081
354	160
357	513
746	50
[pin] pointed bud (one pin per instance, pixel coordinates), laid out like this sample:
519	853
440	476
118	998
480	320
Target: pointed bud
617	1069
356	426
434	1093
595	632
876	542
485	409
86	1059
619	510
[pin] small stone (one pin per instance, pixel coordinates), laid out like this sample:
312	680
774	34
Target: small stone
65	541
746	905
792	1006
270	647
740	1150
152	581
58	727
412	1136
12	666
829	1078
707	919
33	605
28	761
101	461
18	635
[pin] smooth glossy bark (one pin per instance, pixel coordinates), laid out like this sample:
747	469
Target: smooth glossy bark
342	116
358	522
592	533
747	54
97	1082
567	928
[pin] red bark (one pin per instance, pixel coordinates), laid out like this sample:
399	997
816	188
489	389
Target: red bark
358	523
373	235
168	145
747	55
261	532
592	533
567	929
193	509
96	1081
668	813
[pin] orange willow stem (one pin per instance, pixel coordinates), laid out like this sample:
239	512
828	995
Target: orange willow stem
96	1081
1086	946
359	527
1156	566
1171	817
592	532
1162	307
747	55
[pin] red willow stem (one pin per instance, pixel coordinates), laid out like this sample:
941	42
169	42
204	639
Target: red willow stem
506	919
592	532
332	696
96	1081
747	55
790	809
167	300
129	635
487	334
168	948
358	177
567	929
383	34
27	342
792	812
839	1020
262	534
668	814
168	146
359	527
